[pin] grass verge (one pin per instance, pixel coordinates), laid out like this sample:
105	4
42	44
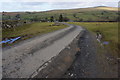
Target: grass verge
109	31
29	30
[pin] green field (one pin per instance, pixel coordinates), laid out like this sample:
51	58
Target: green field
30	30
108	29
81	14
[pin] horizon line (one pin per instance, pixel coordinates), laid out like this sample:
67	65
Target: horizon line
58	9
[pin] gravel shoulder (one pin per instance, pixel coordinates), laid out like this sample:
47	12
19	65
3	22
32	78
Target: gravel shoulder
93	60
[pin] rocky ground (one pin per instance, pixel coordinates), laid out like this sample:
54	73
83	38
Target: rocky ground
92	61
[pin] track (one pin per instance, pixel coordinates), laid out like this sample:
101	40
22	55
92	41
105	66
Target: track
21	60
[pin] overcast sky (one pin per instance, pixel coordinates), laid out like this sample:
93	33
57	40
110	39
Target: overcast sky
43	5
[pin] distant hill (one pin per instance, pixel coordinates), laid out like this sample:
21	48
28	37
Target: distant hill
100	13
107	8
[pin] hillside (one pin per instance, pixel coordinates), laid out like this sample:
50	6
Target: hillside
81	14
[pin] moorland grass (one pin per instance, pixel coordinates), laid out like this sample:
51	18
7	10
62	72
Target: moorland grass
109	31
31	29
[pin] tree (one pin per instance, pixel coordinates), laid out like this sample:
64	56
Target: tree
60	18
52	19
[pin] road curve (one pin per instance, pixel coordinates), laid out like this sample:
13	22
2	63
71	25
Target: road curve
22	60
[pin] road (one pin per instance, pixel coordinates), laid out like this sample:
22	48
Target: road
21	60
